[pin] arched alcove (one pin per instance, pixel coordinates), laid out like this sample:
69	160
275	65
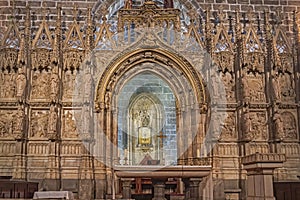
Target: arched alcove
147	121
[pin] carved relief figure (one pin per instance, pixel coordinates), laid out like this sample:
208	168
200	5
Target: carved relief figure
19	123
20	84
228	81
85	121
247	125
54	85
40	85
6	124
88	83
70	129
258	126
128	4
276	88
246	89
52	122
68	85
39	121
278	125
289	125
228	127
7	85
215	126
287	88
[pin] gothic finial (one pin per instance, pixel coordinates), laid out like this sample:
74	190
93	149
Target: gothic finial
104	12
251	16
221	14
13	6
279	16
192	14
75	11
44	6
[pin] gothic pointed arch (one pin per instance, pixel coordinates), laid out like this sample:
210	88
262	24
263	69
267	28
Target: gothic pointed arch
159	56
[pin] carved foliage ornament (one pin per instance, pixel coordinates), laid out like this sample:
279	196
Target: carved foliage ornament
148	15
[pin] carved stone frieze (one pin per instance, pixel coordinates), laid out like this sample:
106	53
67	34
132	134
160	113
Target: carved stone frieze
253	88
19	122
283	87
69	84
229	85
38	124
254	126
224	60
7	86
41	59
9	58
70	129
149	15
228	129
289	126
6	124
54	85
73	59
52	123
21	82
40	85
254	62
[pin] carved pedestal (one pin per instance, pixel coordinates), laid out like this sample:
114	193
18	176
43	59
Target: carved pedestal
260	168
126	188
159	189
192	188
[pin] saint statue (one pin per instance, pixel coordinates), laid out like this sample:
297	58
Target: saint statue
128	4
20	84
278	125
54	84
52	121
276	87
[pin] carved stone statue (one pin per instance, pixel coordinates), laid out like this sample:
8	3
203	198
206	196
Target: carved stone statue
8	85
70	129
19	123
20	84
247	127
6	124
246	88
88	83
40	85
278	125
215	86
276	88
39	121
228	128
128	4
54	85
86	127
52	122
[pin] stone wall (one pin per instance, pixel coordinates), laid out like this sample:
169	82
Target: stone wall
287	6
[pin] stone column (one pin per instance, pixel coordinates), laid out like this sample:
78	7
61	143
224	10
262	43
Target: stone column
126	188
260	169
159	189
192	188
